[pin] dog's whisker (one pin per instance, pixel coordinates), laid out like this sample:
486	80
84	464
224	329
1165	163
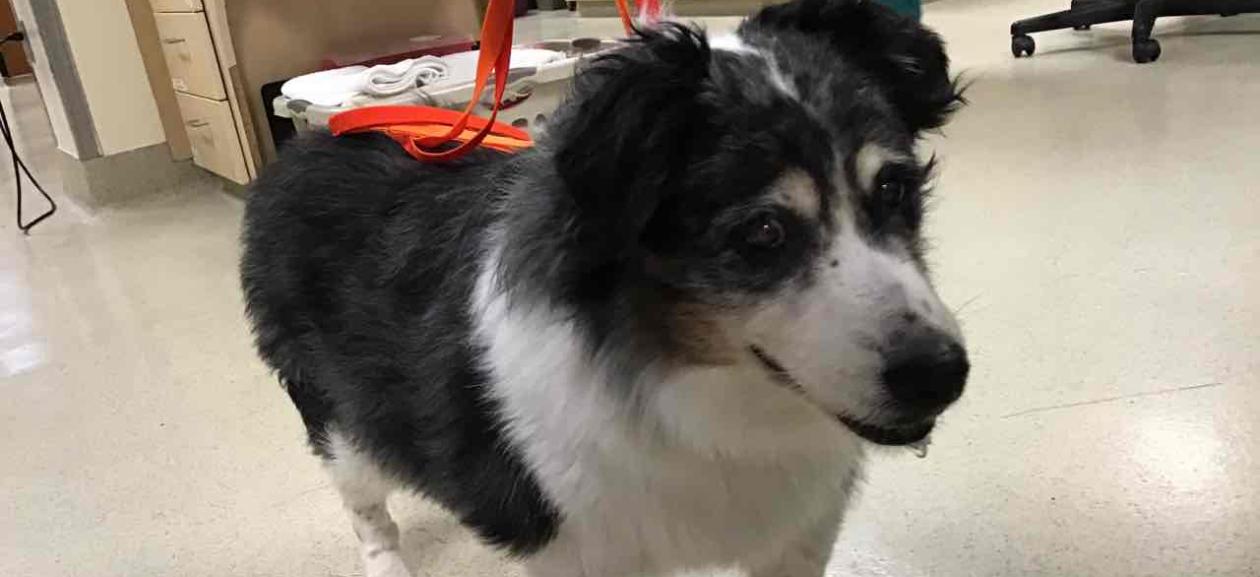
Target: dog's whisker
967	303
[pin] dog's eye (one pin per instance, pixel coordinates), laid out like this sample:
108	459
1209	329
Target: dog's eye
892	192
892	185
763	231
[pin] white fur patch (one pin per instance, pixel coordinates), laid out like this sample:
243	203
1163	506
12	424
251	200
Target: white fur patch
730	43
735	44
719	466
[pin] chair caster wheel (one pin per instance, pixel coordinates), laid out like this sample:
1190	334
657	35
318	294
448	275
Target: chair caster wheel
1082	27
1023	45
1145	51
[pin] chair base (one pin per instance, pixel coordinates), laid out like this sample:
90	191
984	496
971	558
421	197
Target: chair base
1086	13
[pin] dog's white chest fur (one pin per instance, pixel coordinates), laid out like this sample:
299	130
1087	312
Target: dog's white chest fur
655	514
639	500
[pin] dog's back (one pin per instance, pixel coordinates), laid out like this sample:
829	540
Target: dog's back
341	230
356	269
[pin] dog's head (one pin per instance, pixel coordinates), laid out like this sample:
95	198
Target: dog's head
754	202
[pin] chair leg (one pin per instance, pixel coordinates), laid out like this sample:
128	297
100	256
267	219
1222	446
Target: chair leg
1082	14
1145	48
1077	5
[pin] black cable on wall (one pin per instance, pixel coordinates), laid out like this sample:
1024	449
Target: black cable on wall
19	166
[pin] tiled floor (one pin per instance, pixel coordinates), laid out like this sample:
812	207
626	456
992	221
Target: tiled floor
1098	227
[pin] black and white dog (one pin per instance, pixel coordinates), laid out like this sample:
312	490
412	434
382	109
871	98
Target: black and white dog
654	342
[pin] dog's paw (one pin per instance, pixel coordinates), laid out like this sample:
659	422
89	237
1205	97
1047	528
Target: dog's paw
384	563
920	447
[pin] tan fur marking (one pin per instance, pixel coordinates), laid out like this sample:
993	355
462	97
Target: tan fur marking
870	159
699	334
796	190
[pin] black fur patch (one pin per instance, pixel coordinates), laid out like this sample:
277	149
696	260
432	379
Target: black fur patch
906	59
358	266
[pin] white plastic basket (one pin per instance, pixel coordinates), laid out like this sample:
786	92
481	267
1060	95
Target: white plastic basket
532	93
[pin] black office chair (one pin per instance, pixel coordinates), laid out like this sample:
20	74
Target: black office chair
1085	13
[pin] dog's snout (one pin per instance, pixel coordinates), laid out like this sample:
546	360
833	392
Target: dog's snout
927	370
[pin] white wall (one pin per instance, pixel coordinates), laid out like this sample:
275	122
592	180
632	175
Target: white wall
43	76
108	60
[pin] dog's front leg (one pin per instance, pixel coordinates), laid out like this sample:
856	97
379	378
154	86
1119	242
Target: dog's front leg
806	556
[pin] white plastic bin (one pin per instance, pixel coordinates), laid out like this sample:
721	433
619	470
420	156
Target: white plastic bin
532	94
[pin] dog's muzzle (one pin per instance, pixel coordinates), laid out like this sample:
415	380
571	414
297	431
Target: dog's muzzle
924	375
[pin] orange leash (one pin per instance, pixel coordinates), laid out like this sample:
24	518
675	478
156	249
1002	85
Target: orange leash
623	9
427	132
412	126
651	12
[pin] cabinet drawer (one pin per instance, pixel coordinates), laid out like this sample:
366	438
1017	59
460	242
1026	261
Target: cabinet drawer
190	54
215	146
175	5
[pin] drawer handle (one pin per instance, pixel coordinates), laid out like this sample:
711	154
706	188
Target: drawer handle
174	40
198	123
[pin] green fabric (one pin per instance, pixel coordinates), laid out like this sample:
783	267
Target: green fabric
911	8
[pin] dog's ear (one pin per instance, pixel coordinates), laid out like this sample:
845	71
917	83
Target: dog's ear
906	57
624	138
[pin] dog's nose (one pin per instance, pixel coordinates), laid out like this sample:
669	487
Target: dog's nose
926	370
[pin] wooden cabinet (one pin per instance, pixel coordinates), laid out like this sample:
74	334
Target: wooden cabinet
190	54
192	60
176	5
222	55
212	134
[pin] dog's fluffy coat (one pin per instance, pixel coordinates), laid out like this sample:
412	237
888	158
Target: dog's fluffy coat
624	351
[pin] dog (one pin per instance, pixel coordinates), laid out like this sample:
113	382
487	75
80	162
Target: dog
657	341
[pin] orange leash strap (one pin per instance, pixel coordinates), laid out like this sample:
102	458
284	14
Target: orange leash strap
651	13
408	124
623	9
418	121
496	57
652	10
